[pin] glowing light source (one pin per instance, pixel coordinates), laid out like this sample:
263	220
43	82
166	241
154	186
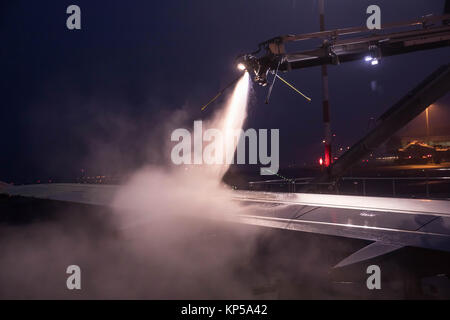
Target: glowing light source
374	62
321	161
368	58
241	66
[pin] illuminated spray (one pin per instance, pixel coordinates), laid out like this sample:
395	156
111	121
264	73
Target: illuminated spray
146	244
231	119
223	135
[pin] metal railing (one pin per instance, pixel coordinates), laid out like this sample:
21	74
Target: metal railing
366	186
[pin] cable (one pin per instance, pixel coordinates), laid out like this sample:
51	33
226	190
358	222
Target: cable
221	92
292	87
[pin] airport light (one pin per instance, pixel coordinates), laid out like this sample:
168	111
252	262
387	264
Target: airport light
373	61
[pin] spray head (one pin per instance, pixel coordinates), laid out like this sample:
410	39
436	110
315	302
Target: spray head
255	66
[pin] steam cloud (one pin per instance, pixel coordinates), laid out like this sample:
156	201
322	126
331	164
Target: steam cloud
165	237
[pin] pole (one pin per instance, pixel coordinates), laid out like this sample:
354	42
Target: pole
428	125
325	105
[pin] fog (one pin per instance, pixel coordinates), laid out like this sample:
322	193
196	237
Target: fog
168	234
164	238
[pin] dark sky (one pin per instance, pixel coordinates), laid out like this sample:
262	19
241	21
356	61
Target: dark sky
94	98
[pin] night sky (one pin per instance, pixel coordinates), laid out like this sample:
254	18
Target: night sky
98	98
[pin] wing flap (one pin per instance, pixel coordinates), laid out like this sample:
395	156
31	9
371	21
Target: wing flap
371	251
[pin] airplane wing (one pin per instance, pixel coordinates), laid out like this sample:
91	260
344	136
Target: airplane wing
391	223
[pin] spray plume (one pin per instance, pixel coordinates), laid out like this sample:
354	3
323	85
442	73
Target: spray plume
163	242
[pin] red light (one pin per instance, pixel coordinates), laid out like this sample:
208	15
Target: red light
321	161
327	160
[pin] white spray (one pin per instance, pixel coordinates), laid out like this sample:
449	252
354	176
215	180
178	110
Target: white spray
230	119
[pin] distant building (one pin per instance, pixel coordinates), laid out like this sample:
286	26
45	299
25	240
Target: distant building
436	141
420	152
